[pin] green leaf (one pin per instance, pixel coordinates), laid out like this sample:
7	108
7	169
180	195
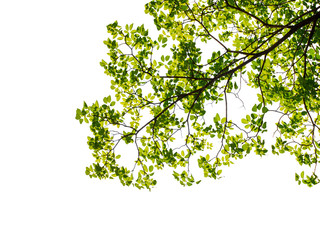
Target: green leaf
264	110
244	121
107	99
216	119
254	108
245	146
79	112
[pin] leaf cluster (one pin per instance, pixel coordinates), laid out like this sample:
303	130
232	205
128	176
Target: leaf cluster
172	98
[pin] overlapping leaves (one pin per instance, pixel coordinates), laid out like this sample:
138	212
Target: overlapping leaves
172	99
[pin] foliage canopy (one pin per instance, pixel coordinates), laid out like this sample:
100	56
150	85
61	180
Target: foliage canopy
172	93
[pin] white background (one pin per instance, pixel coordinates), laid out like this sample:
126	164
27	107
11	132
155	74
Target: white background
49	64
